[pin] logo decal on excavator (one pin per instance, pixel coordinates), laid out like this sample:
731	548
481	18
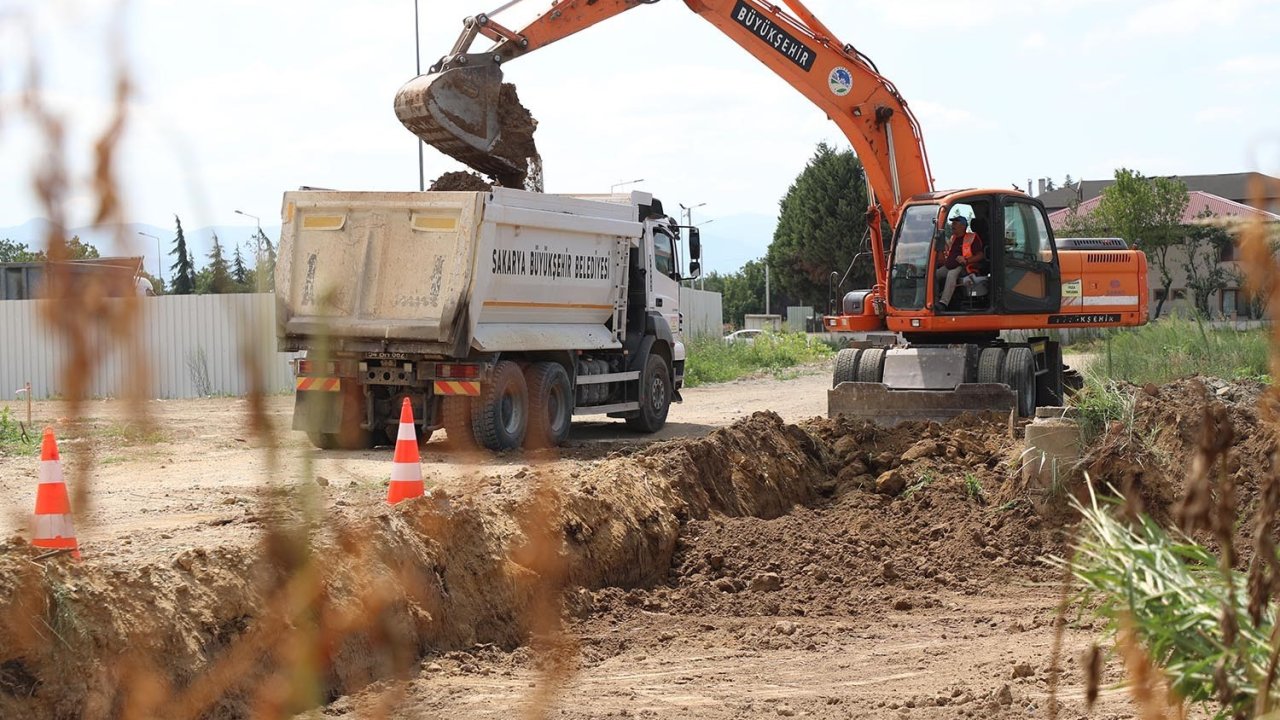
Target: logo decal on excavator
781	40
840	81
1085	319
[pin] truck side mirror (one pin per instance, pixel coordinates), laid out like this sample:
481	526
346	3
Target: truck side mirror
695	244
695	270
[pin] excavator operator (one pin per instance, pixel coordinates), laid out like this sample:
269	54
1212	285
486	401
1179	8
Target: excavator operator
964	254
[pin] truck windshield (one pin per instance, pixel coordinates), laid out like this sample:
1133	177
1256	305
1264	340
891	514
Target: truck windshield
910	262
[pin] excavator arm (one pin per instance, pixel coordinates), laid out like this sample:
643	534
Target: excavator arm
458	105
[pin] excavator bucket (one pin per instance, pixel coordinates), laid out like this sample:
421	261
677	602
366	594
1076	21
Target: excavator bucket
883	406
457	111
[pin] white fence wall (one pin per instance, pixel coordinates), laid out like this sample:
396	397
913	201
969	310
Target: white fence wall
183	346
703	313
186	346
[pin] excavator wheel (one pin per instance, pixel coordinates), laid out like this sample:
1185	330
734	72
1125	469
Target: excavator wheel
871	365
1020	375
991	365
846	366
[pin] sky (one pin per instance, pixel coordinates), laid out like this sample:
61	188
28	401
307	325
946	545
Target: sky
234	102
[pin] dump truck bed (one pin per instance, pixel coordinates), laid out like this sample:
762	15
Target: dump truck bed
449	273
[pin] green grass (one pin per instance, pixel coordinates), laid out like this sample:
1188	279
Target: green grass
1100	403
712	360
1174	347
11	435
1172	592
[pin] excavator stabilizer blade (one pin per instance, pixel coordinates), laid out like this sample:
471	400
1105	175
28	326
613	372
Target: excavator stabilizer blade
457	112
877	403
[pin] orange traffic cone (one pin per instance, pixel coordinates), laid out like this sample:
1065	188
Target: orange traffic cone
53	528
406	468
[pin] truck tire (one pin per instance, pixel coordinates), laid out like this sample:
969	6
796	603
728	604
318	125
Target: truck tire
501	418
1020	375
550	405
871	365
991	365
456	416
846	366
655	396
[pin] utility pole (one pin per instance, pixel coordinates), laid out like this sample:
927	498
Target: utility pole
766	289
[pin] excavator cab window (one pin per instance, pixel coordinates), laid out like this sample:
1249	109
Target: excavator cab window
1029	276
909	263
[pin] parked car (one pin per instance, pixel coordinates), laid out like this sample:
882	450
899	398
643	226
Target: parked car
743	336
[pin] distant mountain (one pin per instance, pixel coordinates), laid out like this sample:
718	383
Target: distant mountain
126	240
728	242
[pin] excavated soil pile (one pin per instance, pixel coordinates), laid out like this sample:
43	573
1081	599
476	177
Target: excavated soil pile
361	598
460	181
903	515
1151	459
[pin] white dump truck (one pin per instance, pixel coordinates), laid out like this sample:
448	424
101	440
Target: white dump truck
499	314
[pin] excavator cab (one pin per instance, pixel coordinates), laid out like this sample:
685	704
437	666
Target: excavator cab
1018	274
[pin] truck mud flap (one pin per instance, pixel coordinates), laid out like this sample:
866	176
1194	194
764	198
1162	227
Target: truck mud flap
317	411
883	406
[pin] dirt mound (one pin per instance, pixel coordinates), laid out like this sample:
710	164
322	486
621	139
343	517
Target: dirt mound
460	181
364	596
1150	459
904	514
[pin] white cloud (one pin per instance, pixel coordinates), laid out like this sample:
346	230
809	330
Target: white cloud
1218	114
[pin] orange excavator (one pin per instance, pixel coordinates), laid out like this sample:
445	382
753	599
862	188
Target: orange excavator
934	359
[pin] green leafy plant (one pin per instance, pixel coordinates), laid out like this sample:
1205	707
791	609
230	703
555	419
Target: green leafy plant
973	488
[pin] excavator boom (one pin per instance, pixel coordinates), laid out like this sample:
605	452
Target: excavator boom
459	105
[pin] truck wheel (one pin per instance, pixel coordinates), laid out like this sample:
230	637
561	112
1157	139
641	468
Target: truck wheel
1020	375
846	366
550	404
455	416
991	365
501	419
655	396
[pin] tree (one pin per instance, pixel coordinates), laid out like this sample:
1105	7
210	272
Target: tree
820	221
1147	212
77	249
239	273
265	269
742	292
16	252
1207	243
217	276
184	275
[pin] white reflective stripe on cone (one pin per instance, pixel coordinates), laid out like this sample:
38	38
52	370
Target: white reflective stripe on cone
406	471
406	433
52	526
50	471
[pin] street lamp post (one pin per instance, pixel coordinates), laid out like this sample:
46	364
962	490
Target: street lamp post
258	224
615	186
417	52
159	255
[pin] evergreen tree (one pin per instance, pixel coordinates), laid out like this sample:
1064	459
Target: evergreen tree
15	252
266	263
239	273
218	278
821	221
184	273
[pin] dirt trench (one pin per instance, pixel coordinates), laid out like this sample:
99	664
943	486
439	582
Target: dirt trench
362	598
